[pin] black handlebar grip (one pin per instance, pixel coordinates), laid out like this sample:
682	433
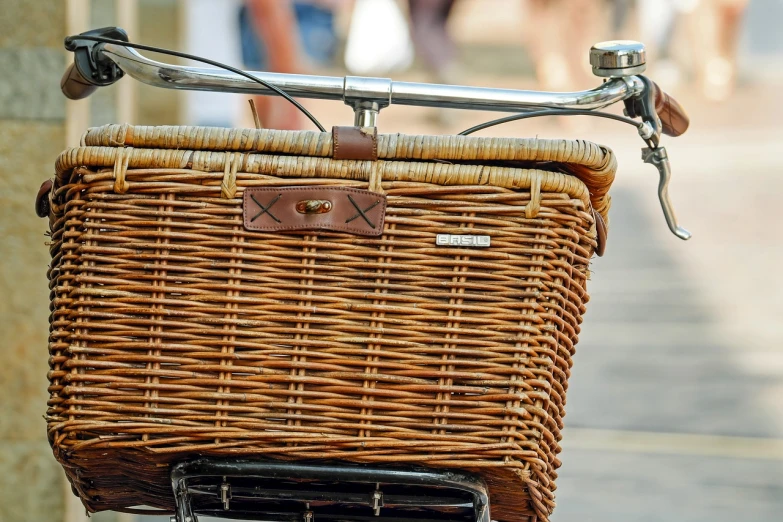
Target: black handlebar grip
74	85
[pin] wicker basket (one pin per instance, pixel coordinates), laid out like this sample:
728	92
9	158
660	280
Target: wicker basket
176	331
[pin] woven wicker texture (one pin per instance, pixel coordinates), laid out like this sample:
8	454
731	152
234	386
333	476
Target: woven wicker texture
174	331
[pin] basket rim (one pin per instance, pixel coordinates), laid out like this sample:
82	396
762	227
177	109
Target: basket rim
91	164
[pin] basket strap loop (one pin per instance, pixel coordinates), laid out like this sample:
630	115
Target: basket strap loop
228	187
120	134
121	186
532	208
355	143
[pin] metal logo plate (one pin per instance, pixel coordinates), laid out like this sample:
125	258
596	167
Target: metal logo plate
459	240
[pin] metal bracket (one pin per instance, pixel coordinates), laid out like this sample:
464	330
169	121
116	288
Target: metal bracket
367	96
643	106
377	500
286	491
660	159
89	59
225	494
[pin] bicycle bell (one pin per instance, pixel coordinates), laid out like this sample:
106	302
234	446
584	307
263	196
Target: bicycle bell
618	58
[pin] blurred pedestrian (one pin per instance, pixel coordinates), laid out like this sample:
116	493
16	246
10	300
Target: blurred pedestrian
620	13
317	33
270	42
658	23
431	37
209	29
714	27
717	32
435	47
379	40
558	36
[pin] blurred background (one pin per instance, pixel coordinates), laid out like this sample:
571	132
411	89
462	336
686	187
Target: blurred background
675	409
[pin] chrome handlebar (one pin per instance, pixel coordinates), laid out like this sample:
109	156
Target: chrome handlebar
619	62
368	93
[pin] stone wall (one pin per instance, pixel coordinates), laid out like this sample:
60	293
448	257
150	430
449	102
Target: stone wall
32	133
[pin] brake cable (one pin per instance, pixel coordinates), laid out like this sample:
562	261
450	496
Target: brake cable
552	112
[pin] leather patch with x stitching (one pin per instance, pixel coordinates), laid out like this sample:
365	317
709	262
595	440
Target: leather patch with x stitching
341	209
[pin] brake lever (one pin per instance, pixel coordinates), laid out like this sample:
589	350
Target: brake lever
660	159
643	106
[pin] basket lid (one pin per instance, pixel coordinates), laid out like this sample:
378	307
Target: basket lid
595	165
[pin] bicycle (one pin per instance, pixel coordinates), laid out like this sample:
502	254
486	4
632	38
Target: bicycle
135	326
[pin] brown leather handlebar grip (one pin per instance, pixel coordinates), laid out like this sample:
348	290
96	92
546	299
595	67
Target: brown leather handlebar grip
74	85
673	117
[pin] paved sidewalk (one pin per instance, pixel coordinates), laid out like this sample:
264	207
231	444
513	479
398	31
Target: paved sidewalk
675	407
652	360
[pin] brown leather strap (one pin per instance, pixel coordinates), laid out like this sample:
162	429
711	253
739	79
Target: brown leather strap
601	232
341	209
355	143
42	199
